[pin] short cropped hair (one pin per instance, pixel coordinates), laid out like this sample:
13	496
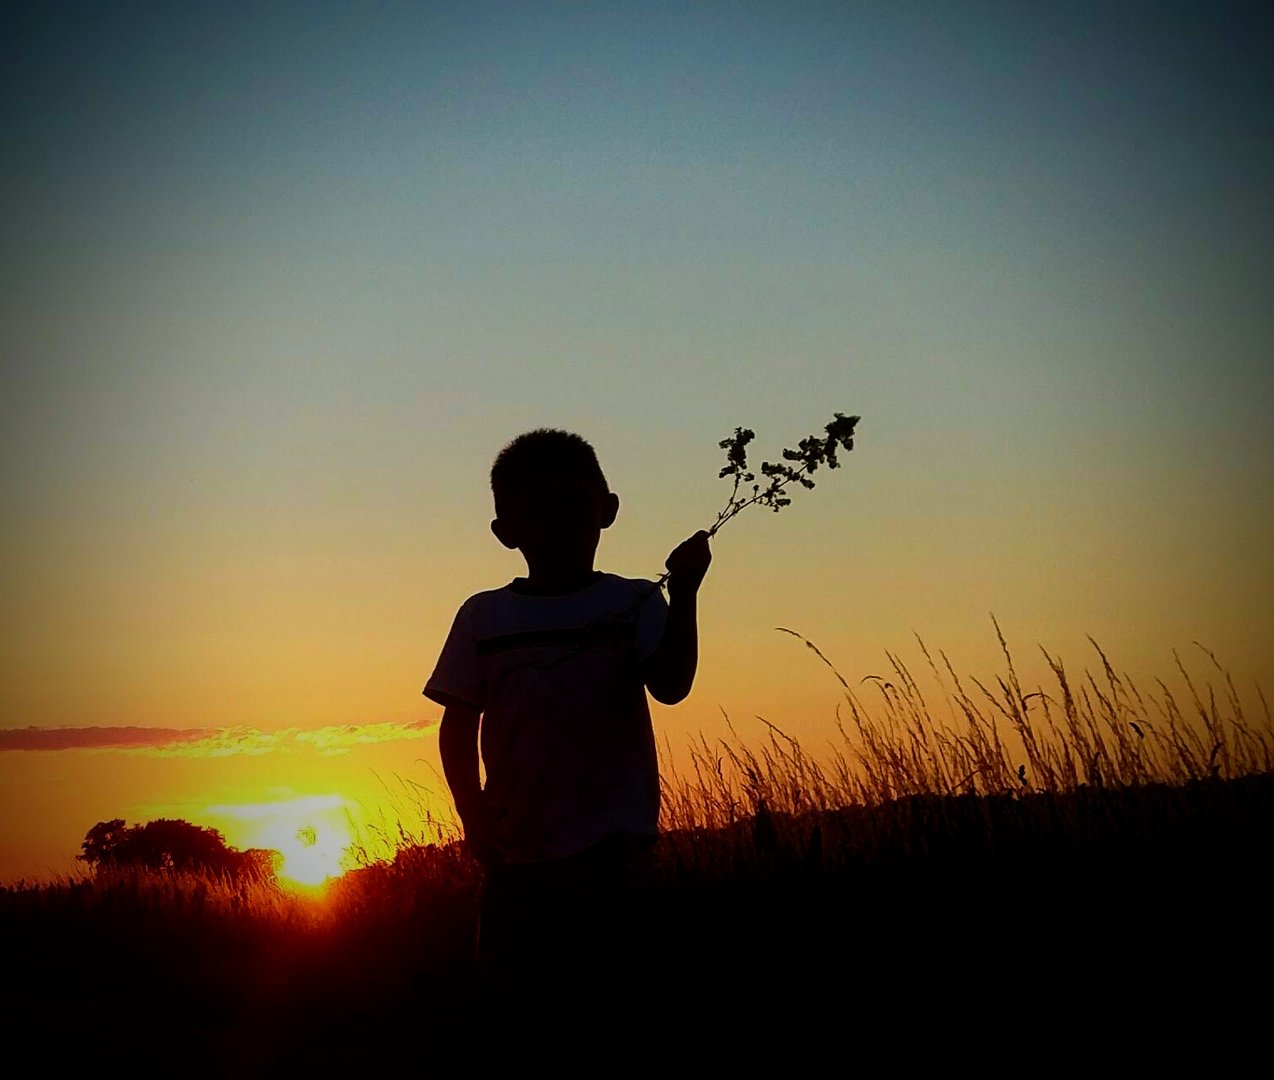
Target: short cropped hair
536	452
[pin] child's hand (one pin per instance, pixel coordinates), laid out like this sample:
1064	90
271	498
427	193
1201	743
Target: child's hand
688	564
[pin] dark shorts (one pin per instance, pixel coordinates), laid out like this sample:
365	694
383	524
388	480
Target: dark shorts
569	933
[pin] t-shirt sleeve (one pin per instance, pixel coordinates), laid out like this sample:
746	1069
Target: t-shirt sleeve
457	677
651	617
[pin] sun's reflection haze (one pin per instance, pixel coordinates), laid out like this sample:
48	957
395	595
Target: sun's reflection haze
311	833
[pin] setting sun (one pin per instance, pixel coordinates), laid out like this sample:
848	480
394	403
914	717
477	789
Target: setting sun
311	834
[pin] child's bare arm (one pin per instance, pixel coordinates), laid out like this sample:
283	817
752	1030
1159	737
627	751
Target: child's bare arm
458	747
670	671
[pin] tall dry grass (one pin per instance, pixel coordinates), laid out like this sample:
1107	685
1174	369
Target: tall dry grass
997	743
1084	763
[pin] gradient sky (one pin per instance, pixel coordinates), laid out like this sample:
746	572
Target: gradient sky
280	279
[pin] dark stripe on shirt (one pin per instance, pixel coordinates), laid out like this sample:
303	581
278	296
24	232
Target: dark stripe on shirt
597	634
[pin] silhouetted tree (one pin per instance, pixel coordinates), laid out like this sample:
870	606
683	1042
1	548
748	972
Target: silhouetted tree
104	843
258	862
171	844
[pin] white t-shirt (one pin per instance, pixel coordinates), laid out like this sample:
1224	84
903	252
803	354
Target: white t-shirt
565	733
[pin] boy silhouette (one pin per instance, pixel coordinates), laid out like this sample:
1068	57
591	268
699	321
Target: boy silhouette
545	680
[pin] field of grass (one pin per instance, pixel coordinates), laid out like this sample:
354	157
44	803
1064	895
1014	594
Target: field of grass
987	864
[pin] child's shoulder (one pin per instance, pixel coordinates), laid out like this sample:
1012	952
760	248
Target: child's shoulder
485	601
610	589
605	582
604	592
486	596
620	582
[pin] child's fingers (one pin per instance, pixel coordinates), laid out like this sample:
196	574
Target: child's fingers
696	543
690	559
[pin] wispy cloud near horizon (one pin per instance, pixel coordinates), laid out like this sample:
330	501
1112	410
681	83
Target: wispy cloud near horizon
210	742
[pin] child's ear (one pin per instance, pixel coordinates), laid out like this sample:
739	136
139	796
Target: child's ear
503	533
610	509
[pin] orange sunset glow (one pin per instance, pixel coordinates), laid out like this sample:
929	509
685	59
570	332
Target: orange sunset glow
931	342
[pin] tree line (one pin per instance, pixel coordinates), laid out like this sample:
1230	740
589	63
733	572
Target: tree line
172	844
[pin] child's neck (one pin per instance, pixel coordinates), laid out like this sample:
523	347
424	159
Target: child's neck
556	580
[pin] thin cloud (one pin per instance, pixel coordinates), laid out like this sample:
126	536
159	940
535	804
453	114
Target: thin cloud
99	738
211	742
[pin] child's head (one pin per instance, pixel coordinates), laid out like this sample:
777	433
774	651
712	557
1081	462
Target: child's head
551	497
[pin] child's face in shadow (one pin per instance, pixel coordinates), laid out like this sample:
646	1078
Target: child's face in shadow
557	519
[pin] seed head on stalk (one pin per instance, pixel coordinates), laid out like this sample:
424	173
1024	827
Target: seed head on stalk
811	452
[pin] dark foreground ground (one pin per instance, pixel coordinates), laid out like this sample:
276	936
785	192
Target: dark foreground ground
1108	929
